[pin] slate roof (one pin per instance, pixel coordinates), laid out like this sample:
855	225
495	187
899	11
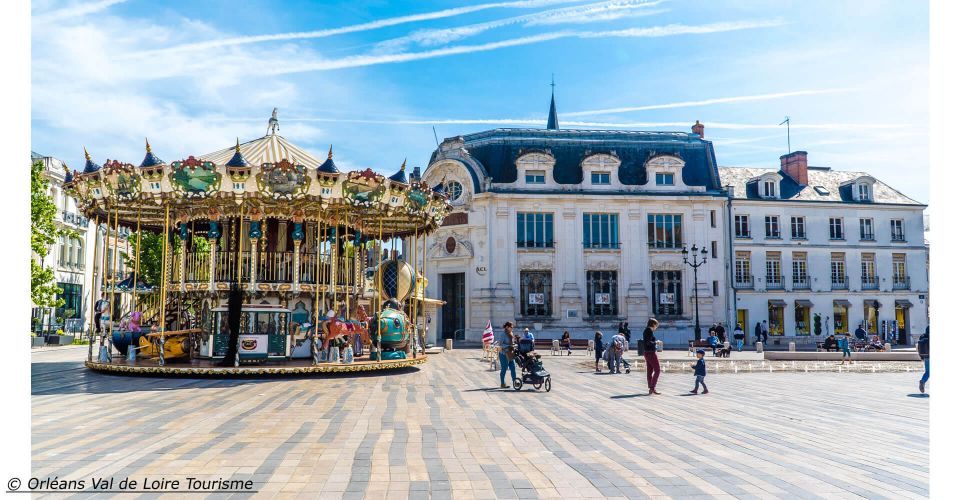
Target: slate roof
497	151
744	184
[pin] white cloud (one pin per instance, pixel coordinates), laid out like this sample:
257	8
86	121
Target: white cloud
76	10
708	102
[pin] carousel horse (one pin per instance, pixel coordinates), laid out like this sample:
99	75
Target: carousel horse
343	325
388	329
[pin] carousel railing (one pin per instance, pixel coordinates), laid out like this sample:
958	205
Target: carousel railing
198	267
308	268
225	269
275	267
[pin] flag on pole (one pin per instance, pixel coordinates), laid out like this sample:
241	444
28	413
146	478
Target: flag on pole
488	333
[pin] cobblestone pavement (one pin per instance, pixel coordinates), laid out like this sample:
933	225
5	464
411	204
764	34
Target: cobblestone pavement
443	432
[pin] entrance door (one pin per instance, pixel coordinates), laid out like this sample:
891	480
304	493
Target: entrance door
452	313
743	319
903	325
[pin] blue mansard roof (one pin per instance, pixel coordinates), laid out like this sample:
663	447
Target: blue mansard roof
497	150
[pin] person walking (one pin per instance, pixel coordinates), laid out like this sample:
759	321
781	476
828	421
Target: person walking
700	371
650	355
598	348
843	343
99	308
923	349
758	332
765	331
738	336
721	332
617	345
506	354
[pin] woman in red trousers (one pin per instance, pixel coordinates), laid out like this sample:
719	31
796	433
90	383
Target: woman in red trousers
650	355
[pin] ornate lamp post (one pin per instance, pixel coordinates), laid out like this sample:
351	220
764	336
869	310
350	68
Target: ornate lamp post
696	297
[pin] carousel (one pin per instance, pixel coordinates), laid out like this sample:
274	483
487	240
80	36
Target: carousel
271	262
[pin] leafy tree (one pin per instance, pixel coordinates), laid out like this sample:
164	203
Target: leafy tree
44	231
151	255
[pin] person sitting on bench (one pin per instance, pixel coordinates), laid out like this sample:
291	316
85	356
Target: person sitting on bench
830	344
714	341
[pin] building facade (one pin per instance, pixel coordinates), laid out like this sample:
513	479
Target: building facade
76	261
558	229
813	242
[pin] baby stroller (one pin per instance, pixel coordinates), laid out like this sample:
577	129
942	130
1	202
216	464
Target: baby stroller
531	369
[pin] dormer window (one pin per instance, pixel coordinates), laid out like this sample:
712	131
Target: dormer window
863	191
664	179
536	177
769	189
600	178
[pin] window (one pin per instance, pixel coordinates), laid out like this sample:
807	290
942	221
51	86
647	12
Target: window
775	318
80	262
602	293
716	288
769	189
836	228
900	272
600	178
866	229
536	177
741	224
601	231
868	271
896	230
535	293
863	192
870	316
822	191
664	179
799	270
774	276
713	218
534	230
713	249
798	228
840	318
838	272
72	295
801	319
453	190
667	293
63	251
772	225
664	231
741	270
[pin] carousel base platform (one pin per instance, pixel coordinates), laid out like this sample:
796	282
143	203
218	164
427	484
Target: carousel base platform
208	368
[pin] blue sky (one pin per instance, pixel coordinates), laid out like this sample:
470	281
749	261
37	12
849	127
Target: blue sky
373	77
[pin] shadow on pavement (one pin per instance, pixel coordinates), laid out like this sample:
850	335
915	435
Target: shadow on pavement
918	395
625	396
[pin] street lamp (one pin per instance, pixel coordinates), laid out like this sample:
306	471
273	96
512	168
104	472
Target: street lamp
696	296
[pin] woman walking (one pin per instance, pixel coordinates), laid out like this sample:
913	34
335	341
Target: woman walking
738	336
506	355
598	348
650	355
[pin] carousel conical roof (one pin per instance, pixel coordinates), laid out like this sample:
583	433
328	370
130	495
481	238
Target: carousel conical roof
270	148
89	167
328	166
150	159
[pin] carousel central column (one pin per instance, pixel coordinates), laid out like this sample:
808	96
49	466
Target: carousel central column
255	234
184	234
212	236
297	237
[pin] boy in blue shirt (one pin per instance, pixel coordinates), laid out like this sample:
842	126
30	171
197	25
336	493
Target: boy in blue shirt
700	370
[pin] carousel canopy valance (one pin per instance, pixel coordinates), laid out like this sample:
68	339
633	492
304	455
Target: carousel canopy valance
267	177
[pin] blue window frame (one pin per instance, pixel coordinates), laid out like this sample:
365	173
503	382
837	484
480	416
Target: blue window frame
534	230
535	177
601	231
664	179
600	178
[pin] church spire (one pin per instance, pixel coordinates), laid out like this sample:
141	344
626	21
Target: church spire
552	122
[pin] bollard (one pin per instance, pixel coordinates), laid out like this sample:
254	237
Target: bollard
792	346
448	344
887	347
760	347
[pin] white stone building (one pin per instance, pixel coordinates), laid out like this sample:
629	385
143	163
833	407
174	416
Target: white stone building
577	229
811	241
76	261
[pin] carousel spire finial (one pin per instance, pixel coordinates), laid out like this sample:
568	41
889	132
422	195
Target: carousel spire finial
85	153
148	144
404	165
330	153
237	147
274	124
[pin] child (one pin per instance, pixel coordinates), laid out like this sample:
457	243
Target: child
843	343
700	370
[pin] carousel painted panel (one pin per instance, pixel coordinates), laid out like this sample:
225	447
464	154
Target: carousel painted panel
364	189
193	178
283	180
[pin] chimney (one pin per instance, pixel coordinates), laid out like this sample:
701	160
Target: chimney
697	129
795	165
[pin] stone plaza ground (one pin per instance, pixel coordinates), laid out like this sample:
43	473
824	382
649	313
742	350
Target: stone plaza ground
444	431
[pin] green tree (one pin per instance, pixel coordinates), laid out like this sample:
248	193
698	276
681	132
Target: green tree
151	255
44	231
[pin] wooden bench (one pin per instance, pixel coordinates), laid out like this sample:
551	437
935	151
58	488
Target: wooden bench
693	345
821	348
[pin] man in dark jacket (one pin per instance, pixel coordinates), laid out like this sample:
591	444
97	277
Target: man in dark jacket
923	349
758	332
